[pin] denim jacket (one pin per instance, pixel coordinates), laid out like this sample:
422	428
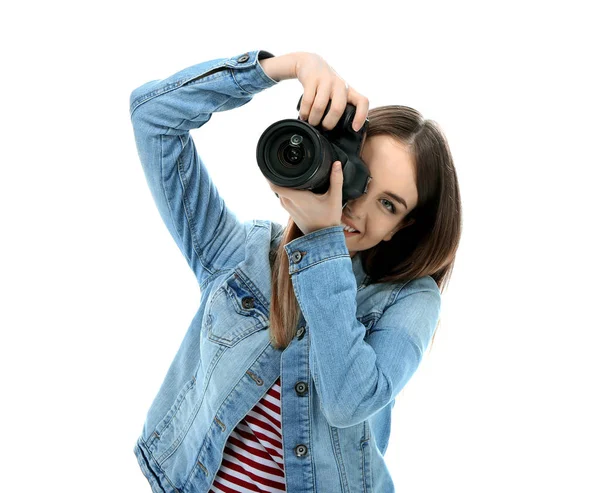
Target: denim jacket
356	346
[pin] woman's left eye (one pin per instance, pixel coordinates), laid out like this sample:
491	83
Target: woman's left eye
392	209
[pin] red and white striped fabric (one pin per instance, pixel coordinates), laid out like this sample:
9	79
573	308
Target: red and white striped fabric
253	455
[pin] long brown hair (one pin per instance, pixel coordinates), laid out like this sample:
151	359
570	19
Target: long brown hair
426	247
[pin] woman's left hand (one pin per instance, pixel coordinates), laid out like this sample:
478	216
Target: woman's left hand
311	211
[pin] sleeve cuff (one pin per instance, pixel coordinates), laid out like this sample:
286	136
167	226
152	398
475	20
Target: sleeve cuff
313	248
255	79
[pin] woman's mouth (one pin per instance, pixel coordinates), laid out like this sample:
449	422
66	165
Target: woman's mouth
348	233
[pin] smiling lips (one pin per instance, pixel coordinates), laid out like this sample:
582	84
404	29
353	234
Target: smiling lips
348	223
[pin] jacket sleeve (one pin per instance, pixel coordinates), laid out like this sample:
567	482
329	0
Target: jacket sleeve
355	377
163	112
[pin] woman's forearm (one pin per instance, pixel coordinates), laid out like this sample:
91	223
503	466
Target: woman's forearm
281	67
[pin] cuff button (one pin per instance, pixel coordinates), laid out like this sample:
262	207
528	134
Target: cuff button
243	58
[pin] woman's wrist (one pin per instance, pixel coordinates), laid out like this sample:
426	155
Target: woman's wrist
281	67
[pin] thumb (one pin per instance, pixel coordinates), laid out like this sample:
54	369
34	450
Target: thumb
336	180
336	173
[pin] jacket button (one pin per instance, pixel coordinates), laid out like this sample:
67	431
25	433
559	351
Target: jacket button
300	450
300	333
296	257
243	58
301	388
248	302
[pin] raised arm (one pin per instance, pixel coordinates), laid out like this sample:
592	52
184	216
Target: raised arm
162	113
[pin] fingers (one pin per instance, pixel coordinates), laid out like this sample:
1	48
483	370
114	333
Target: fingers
362	108
307	100
282	192
319	105
317	94
338	105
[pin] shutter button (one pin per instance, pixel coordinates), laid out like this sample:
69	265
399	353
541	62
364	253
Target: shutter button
300	333
301	450
243	58
248	302
296	257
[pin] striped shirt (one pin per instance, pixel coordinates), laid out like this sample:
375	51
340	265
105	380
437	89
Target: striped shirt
253	455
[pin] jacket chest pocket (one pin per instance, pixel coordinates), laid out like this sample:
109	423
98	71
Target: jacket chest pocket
233	314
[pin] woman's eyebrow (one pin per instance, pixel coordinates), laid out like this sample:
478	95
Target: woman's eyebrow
397	198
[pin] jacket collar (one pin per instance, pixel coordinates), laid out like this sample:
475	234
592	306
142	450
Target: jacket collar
359	273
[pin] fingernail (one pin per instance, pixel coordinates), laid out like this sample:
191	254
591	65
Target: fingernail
356	127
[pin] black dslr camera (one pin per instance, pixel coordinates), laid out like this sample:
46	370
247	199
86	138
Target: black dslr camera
294	154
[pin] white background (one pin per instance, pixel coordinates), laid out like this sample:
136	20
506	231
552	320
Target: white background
96	297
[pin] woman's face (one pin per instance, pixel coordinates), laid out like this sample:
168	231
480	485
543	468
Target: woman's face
376	214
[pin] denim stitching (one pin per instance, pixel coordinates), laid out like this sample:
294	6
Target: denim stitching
162	182
238	85
157	92
178	83
333	257
212	277
188	216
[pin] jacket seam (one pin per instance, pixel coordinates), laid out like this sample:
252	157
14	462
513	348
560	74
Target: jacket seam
158	466
332	257
168	202
334	439
152	94
252	287
197	79
414	292
316	234
213	276
188	217
217	72
238	85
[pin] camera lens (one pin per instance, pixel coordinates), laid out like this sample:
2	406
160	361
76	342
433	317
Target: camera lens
292	153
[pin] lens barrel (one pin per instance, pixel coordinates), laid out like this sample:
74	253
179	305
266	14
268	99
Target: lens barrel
293	154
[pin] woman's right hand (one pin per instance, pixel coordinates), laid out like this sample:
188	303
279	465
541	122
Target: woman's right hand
321	83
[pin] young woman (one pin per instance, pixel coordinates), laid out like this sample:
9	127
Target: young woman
287	375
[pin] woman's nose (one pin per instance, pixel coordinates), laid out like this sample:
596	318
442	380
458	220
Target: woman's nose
353	208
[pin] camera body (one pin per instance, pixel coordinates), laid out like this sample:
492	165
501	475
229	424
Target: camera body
294	154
